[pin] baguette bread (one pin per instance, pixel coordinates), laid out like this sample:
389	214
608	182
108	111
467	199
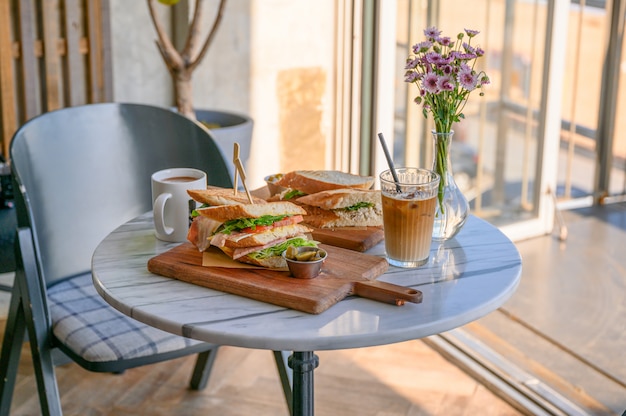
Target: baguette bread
325	218
314	181
341	198
225	213
221	196
329	209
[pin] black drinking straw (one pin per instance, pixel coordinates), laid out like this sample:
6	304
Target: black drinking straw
389	161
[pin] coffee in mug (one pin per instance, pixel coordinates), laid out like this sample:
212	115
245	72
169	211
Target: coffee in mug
180	179
172	205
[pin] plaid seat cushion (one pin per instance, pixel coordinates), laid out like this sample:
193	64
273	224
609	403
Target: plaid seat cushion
97	332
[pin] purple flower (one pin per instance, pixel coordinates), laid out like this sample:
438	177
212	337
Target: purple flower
432	32
465	56
445	83
479	51
447	69
422	47
471	33
433	58
445	60
468	80
429	83
444	41
411	63
468	48
410	76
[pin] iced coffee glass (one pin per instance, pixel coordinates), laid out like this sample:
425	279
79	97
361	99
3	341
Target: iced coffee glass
408	214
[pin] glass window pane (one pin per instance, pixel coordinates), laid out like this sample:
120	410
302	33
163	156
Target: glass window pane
581	100
618	172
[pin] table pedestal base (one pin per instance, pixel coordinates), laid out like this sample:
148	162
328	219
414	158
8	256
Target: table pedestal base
303	364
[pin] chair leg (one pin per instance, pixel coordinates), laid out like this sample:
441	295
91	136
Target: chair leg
11	351
43	364
33	307
202	370
21	318
286	376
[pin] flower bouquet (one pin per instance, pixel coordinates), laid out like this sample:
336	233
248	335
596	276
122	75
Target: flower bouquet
444	71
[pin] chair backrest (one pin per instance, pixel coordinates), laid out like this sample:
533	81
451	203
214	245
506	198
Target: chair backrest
83	171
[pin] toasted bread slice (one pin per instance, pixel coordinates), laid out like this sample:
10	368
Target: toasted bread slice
341	198
232	212
313	181
260	239
274	262
221	196
324	218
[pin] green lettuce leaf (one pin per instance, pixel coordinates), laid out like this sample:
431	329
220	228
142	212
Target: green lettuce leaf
195	213
292	194
278	249
241	223
359	205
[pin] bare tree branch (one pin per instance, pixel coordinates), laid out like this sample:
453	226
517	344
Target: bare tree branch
182	65
218	18
170	55
189	52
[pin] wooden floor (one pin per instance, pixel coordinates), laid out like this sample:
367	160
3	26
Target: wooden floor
401	379
565	326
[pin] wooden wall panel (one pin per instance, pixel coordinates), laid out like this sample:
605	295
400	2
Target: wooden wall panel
75	68
99	50
29	82
7	77
53	54
50	54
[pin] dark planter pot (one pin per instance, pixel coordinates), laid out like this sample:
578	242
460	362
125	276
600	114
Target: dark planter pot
229	128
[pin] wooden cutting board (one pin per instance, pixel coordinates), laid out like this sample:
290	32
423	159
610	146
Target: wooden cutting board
344	273
353	238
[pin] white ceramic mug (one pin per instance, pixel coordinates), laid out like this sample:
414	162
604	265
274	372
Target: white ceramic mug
171	203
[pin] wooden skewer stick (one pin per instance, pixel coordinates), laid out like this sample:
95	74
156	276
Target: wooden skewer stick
242	173
235	158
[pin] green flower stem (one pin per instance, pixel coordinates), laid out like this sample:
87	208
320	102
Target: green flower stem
441	156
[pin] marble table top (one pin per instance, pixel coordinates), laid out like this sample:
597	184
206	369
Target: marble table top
465	278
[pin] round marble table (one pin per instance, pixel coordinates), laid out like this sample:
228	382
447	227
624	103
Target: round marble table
465	278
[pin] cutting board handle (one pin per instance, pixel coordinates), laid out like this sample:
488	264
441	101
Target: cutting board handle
387	292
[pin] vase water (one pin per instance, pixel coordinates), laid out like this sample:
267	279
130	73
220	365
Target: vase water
452	206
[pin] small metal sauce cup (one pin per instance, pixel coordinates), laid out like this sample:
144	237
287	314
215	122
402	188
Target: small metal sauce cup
271	185
306	269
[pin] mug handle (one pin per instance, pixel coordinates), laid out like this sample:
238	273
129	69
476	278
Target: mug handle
159	215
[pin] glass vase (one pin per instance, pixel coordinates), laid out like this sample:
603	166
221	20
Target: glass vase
452	207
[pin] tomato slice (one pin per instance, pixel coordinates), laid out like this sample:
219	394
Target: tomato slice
294	219
256	229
